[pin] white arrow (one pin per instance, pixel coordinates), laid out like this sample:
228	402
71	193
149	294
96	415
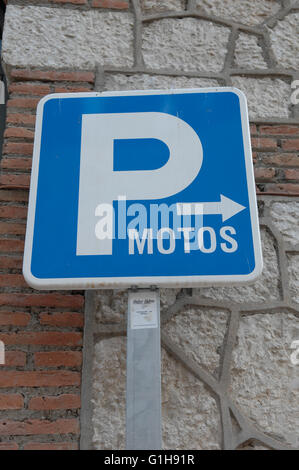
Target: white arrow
226	207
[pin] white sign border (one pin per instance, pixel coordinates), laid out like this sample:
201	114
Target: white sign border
142	281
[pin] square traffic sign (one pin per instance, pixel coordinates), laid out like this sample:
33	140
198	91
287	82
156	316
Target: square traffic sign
142	188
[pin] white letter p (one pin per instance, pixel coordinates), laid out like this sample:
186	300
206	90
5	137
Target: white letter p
100	184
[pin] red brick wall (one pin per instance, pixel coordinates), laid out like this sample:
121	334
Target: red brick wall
42	331
112	4
276	158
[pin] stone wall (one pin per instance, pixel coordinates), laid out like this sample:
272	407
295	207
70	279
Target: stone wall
227	377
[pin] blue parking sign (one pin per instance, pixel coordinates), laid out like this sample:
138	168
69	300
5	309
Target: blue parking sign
142	188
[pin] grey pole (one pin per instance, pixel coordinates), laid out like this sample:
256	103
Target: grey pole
143	400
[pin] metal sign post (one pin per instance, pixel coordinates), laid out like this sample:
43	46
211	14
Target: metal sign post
143	410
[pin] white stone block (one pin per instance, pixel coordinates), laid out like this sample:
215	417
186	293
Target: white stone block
143	81
248	54
185	44
250	12
199	332
293	268
66	38
111	306
158	6
285	44
190	416
285	217
263	375
267	97
109	394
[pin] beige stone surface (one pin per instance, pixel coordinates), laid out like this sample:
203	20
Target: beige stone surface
199	332
168	298
248	53
284	39
109	385
249	12
158	6
66	38
267	97
190	415
293	268
184	44
111	306
265	289
144	81
285	217
263	375
190	418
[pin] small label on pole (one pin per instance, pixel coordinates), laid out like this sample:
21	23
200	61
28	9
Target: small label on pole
143	309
